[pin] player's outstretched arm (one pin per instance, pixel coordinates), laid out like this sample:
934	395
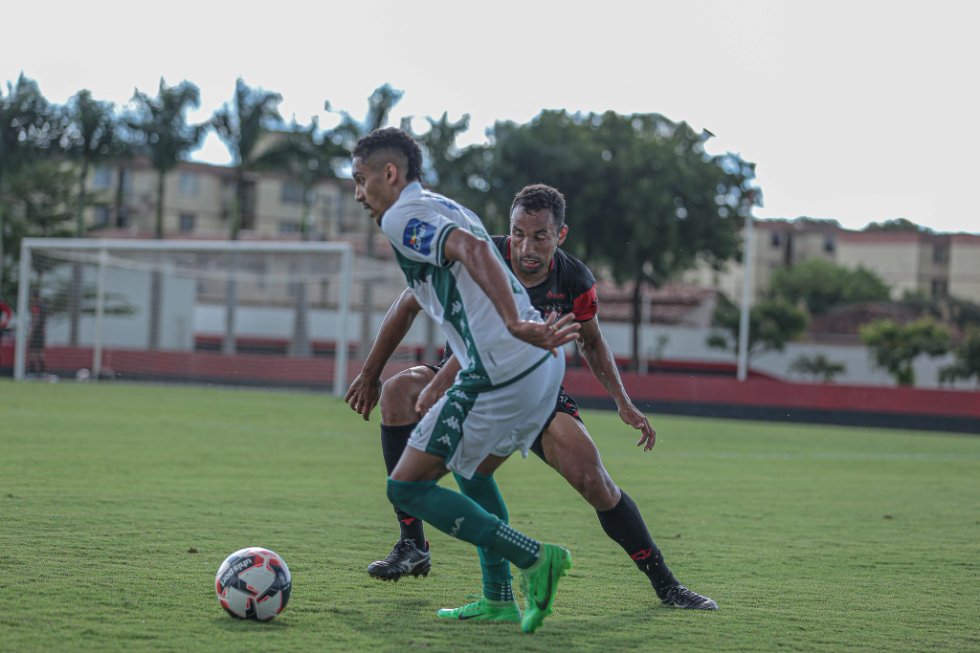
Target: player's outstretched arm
603	365
365	390
479	259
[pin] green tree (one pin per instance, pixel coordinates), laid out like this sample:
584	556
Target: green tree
897	224
29	129
382	100
380	103
161	131
772	324
967	364
252	115
307	155
41	197
820	285
818	366
895	347
643	195
241	125
457	172
89	138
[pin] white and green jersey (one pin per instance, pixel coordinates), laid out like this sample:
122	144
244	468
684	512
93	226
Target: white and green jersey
417	226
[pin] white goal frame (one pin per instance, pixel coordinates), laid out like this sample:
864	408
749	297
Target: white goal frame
104	246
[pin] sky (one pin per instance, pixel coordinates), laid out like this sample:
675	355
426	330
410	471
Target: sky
858	111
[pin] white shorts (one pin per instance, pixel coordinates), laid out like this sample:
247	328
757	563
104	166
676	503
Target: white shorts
466	426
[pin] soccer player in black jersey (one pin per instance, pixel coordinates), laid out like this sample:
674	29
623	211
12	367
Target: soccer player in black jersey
559	282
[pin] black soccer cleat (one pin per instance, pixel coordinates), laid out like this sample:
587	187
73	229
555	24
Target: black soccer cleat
678	596
405	559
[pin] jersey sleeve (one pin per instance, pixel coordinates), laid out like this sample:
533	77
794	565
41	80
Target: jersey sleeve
580	285
586	305
417	233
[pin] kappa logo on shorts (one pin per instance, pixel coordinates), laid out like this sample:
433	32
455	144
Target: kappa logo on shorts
418	236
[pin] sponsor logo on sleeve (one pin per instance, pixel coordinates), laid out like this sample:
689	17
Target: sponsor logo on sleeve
418	236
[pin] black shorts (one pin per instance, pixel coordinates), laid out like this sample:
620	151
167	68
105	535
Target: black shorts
564	404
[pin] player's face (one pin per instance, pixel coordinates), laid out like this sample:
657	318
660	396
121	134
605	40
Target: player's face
533	240
371	187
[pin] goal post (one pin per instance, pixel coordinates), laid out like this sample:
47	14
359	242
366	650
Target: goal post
160	310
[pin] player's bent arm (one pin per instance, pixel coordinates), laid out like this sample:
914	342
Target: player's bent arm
480	260
365	390
397	321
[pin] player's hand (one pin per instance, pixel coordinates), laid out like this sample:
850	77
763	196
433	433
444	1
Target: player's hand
632	416
430	394
363	394
551	334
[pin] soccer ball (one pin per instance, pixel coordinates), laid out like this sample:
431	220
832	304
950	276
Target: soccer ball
253	583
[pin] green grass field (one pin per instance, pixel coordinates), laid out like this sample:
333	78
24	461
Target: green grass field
118	503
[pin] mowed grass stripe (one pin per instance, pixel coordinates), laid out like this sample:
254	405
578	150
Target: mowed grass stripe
118	502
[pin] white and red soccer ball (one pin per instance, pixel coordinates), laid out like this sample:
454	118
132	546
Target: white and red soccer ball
253	583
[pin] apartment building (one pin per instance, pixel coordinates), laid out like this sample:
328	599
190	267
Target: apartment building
936	265
199	198
777	244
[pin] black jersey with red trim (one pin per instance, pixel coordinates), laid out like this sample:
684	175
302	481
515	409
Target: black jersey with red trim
569	288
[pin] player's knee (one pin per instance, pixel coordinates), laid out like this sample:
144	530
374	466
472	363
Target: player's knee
398	396
597	488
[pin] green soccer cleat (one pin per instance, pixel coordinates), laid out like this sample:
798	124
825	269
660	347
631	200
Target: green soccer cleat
484	610
540	583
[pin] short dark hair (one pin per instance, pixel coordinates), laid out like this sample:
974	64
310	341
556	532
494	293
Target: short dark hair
396	142
538	197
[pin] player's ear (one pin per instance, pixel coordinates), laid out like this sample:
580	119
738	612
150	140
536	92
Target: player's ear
391	172
562	234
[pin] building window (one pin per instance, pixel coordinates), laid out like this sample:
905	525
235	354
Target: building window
101	217
102	178
187	221
829	244
775	240
292	193
940	253
288	227
188	183
939	288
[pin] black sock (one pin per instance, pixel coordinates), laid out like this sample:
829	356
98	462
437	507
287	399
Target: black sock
393	441
625	525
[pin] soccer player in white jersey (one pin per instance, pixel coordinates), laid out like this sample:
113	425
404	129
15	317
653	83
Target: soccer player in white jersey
510	370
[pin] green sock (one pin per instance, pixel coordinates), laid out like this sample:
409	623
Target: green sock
497	579
515	546
463	518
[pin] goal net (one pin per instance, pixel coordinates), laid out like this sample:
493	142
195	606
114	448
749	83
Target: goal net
244	313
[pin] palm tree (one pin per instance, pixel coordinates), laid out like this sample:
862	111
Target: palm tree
27	128
164	135
382	101
89	136
253	114
308	156
241	125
